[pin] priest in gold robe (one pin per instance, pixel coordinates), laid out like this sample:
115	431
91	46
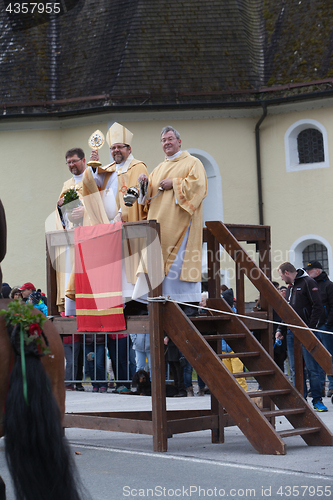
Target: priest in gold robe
76	163
104	189
176	190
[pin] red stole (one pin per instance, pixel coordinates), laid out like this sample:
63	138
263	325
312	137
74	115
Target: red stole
98	278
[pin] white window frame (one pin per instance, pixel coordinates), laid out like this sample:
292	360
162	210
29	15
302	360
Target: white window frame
213	203
296	250
291	149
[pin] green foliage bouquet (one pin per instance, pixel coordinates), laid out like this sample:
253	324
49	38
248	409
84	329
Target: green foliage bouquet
71	197
71	201
24	327
29	321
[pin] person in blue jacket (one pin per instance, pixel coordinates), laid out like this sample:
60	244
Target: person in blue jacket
35	298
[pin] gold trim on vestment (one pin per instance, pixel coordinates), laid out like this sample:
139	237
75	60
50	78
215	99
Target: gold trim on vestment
99	312
97	295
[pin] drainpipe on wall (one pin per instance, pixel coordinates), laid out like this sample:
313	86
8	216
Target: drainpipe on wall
260	202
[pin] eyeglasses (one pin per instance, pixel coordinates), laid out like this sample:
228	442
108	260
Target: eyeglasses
113	148
73	161
168	139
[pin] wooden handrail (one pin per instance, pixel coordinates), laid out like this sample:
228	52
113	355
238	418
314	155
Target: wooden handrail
271	294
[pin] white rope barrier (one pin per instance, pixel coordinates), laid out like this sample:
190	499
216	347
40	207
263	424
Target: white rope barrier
168	299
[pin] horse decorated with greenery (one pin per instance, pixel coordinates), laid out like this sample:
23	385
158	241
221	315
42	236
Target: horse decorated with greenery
32	401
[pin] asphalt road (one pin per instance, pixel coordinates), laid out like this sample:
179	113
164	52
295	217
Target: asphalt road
113	474
119	466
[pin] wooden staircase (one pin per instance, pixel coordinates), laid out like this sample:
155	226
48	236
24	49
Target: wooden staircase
237	404
233	405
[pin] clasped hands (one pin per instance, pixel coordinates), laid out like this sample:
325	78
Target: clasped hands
166	184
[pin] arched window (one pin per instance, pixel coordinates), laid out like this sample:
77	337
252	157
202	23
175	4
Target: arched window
316	251
312	247
310	146
213	204
306	146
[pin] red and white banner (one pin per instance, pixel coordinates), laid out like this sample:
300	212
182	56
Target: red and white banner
98	278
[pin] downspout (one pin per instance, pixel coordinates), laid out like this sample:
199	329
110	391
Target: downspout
260	202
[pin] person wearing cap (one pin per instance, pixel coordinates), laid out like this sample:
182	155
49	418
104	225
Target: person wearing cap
26	290
35	298
5	290
315	270
303	296
15	293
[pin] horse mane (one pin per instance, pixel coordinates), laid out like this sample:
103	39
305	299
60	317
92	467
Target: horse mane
37	452
3	236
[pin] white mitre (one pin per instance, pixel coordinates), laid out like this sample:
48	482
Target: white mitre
118	134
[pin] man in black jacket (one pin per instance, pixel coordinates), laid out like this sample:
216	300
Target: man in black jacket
304	297
315	271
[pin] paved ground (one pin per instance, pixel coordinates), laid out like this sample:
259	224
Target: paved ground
118	465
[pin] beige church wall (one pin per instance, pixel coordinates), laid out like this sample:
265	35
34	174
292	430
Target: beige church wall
297	203
31	171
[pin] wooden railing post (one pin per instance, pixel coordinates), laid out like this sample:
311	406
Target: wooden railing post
264	253
214	284
240	289
298	360
159	415
265	266
213	262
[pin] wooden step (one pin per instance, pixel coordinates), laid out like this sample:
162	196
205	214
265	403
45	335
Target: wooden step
239	354
270	392
278	413
202	319
283	413
299	432
250	321
225	336
254	374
